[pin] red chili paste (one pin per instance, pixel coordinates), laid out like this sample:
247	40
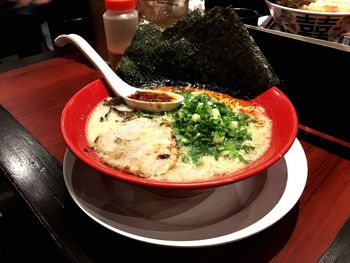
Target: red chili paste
151	96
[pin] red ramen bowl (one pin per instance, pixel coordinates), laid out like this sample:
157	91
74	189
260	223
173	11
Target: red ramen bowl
76	113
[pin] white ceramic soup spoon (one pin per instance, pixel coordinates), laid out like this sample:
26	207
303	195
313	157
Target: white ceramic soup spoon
118	86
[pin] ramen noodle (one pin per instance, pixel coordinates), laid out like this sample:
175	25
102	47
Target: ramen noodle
336	6
178	146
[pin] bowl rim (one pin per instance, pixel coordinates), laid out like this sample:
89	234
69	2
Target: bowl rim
211	183
308	12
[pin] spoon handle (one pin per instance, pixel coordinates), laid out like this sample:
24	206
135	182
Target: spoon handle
109	75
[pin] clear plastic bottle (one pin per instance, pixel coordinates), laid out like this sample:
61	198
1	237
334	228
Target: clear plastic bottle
120	23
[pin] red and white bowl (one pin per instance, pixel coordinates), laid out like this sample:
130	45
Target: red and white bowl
322	25
77	110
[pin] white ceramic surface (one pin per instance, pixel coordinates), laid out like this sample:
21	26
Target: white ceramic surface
118	86
322	25
216	216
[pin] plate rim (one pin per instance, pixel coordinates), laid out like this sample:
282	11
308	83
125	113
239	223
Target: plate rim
293	190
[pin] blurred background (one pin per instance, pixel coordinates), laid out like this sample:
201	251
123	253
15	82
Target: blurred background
31	29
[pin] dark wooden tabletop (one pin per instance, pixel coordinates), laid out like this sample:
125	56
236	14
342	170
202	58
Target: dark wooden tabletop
32	97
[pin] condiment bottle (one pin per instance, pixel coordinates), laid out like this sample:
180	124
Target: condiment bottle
120	23
164	13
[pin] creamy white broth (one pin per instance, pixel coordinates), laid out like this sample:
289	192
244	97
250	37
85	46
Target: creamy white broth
182	171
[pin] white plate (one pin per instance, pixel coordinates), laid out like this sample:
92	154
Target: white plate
216	216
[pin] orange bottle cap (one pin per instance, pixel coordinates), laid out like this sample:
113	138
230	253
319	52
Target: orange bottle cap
120	4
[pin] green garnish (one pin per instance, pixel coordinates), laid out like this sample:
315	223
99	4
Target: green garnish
204	126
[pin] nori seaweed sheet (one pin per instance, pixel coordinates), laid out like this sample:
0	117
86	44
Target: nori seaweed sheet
214	51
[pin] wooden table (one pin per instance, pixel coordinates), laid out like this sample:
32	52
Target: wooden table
32	98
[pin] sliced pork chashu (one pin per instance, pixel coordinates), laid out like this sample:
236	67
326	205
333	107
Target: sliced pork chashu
141	146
